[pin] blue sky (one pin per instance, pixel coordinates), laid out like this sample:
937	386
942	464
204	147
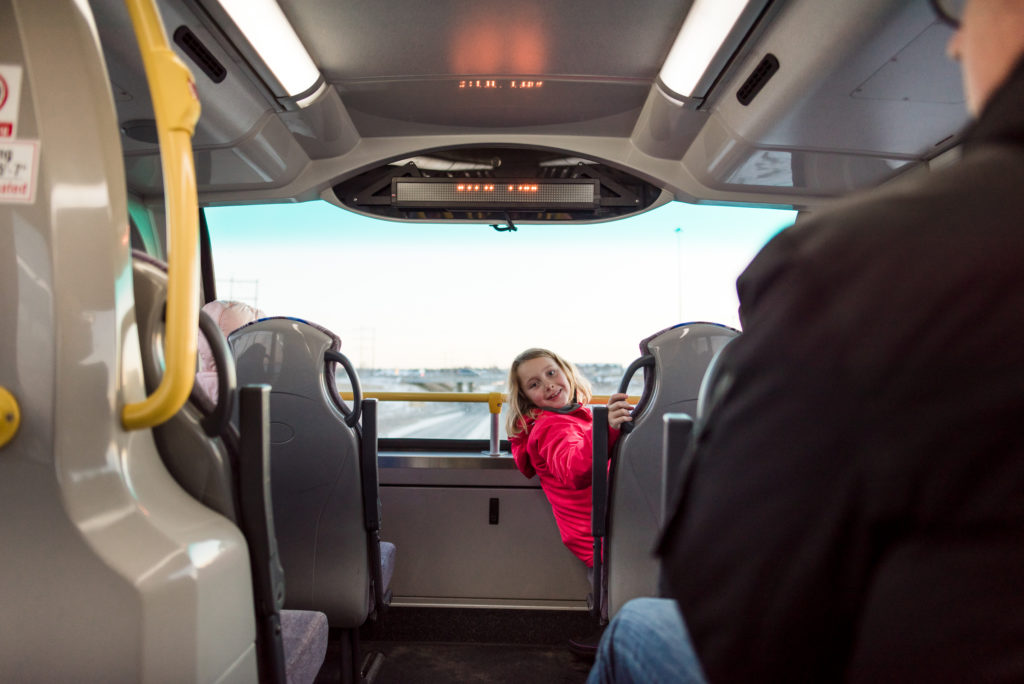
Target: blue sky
409	295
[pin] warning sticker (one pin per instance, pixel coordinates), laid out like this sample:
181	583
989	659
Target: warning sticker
19	160
10	96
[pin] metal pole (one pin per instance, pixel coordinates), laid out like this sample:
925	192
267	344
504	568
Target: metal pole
494	435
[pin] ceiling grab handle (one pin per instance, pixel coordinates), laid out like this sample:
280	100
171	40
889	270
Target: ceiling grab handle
176	107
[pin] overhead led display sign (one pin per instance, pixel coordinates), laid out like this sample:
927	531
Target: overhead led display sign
499	84
494	193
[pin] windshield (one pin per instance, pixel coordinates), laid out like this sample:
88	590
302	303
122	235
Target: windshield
446	307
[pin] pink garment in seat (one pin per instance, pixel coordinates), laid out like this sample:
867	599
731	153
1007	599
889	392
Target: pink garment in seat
229	316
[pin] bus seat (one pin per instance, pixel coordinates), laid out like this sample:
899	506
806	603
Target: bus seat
198	446
682	431
674	363
326	507
198	461
229	316
304	633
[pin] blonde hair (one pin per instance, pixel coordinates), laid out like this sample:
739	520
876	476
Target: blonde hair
520	409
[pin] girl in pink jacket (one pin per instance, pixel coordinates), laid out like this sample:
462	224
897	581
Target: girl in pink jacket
550	428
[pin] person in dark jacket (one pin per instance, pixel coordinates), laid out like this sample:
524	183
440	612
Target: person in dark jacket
854	504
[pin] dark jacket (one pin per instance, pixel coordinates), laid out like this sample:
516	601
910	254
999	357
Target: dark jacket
854	509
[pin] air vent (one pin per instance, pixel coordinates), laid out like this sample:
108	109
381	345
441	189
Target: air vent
761	74
203	58
143	130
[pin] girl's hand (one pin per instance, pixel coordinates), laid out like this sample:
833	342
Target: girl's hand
619	410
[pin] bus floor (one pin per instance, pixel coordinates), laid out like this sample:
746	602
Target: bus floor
492	646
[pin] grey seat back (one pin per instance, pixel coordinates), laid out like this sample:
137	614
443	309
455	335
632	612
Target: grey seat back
674	363
198	461
316	478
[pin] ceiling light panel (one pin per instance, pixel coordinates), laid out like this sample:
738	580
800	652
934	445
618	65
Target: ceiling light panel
272	36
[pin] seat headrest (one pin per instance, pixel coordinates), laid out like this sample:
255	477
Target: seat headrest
697	341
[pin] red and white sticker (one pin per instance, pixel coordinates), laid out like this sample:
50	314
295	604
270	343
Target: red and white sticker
10	97
19	162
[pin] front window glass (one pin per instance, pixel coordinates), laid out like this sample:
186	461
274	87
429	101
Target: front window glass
446	307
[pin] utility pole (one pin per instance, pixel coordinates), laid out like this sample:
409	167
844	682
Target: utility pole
679	274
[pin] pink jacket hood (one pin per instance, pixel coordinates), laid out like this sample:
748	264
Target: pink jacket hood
556	429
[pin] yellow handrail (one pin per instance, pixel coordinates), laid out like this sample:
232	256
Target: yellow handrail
176	107
494	400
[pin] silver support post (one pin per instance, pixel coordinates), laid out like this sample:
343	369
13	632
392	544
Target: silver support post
494	435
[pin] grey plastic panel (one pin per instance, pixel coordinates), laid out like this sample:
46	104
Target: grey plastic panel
239	103
268	152
111	572
235	111
315	474
635	511
513	39
452	555
864	91
436	510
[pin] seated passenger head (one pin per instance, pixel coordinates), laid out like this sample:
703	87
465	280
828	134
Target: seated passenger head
540	378
229	316
988	43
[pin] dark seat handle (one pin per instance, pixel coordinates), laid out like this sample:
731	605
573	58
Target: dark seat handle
645	361
351	415
216	422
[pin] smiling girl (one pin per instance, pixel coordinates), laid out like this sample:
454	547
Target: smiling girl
550	428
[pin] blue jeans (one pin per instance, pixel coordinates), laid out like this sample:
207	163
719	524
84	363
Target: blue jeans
646	642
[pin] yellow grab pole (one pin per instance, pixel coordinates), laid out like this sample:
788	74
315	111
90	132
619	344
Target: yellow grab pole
176	107
494	400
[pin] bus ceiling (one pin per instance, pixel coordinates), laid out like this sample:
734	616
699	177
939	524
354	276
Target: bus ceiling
800	101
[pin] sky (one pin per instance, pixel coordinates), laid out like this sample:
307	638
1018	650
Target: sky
413	295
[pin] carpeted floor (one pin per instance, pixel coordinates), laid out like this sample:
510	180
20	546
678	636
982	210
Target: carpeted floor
437	663
493	646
